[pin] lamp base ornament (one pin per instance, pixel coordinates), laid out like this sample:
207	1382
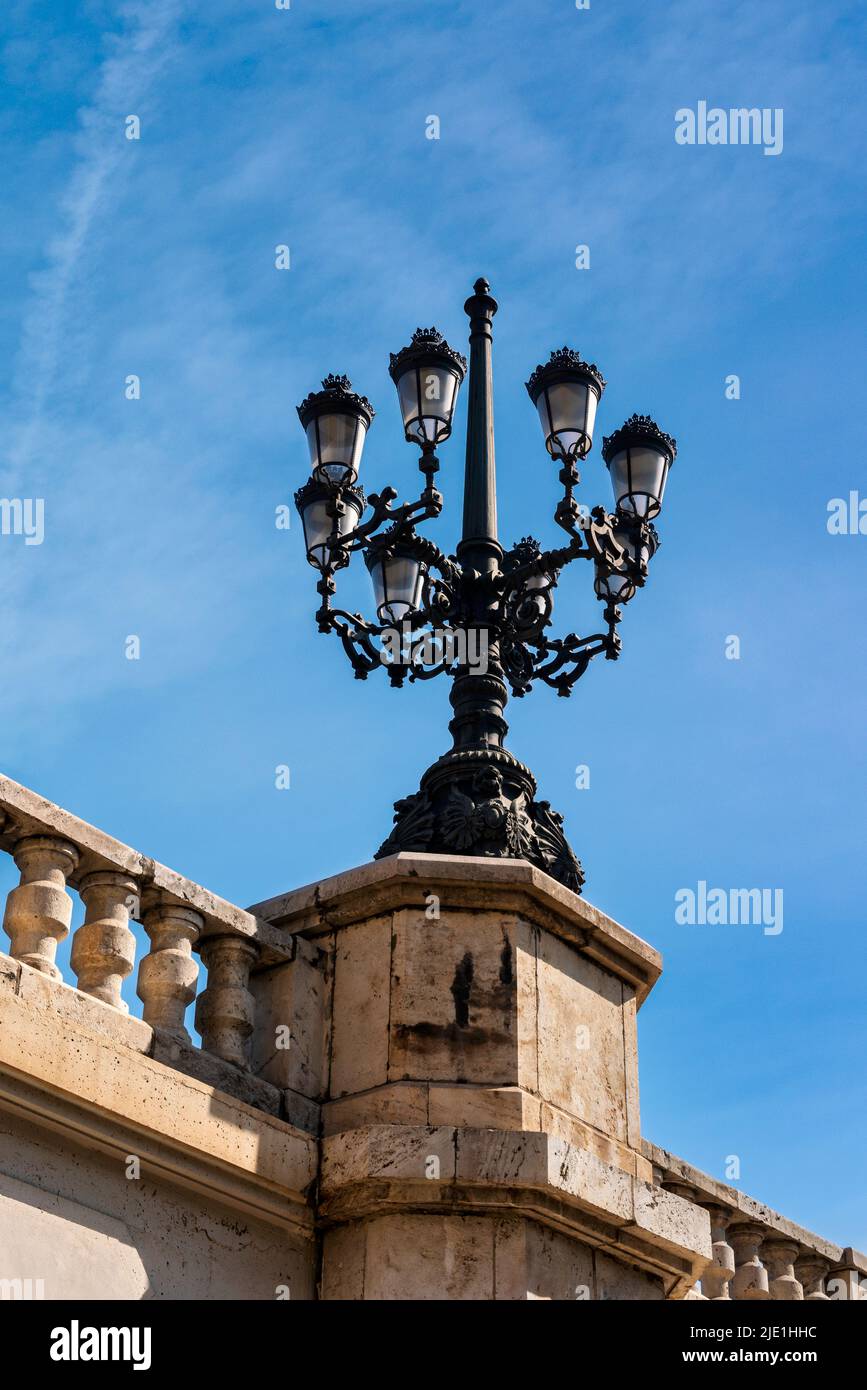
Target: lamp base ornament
482	801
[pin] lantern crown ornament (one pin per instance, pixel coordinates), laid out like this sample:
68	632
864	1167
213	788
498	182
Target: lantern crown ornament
638	429
565	361
336	391
481	616
523	551
426	344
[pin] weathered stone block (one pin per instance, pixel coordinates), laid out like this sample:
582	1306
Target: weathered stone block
672	1221
429	1257
81	1010
582	1062
10	971
481	1107
290	1042
298	1110
556	1267
463	994
618	1280
343	1257
387	1151
400	1103
360	1028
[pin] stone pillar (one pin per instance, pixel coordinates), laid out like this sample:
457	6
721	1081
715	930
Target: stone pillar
780	1255
478	1087
103	948
225	1010
167	976
751	1277
39	910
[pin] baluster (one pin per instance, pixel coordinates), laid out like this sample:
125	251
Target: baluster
780	1255
225	1010
167	976
716	1278
39	910
751	1277
103	948
812	1269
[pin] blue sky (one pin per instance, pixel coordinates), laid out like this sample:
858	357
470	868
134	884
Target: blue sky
156	257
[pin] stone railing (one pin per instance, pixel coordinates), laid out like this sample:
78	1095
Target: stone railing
56	853
758	1254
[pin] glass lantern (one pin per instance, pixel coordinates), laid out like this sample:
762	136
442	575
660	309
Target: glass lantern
315	502
427	375
566	392
398	573
639	456
336	421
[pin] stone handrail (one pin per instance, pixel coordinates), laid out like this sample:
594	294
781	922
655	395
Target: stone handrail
758	1254
56	852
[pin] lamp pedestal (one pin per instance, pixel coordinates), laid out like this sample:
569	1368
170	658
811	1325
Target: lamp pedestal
464	1039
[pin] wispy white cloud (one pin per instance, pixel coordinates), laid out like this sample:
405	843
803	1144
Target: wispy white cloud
126	77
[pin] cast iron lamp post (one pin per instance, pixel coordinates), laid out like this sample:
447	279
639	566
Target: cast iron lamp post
482	614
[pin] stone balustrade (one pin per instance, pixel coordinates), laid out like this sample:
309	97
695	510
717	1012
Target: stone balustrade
57	854
758	1254
365	1070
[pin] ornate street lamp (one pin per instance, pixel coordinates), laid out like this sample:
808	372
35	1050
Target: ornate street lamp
489	610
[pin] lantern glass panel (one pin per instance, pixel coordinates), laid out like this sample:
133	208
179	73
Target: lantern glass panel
427	401
567	410
638	476
378	581
534	596
615	588
318	527
397	586
336	442
407	392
